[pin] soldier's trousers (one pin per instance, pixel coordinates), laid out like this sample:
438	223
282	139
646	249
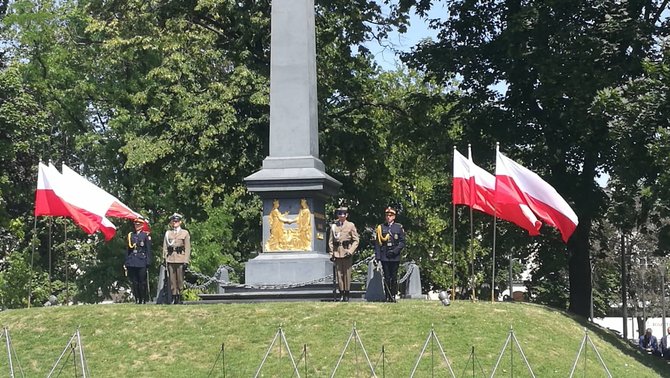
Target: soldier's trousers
343	272
176	272
390	279
138	278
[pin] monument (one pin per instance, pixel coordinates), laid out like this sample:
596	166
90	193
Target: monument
292	182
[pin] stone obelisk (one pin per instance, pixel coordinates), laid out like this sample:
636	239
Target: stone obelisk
292	182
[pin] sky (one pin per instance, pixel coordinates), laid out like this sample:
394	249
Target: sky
417	30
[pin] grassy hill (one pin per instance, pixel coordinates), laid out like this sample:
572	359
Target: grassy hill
184	341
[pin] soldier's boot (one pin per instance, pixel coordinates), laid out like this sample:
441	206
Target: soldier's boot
343	296
175	298
346	295
143	294
136	293
394	288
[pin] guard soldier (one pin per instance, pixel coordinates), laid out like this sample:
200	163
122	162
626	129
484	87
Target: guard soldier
138	258
342	245
389	242
177	255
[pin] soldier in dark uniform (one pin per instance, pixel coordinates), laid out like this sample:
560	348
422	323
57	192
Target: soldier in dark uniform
342	245
389	242
177	255
138	258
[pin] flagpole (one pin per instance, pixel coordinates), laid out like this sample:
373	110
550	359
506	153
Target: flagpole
453	252
493	269
453	242
49	243
67	268
511	259
493	264
472	241
32	259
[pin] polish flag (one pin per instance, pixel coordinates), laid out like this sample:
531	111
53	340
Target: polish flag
482	187
461	193
515	183
55	197
46	200
99	201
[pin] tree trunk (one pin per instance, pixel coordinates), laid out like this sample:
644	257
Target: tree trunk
580	270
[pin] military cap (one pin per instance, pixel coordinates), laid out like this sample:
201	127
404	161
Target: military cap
342	210
139	220
390	210
176	217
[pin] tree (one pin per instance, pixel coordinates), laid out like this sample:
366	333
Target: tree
552	58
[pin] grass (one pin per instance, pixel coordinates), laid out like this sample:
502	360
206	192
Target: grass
127	340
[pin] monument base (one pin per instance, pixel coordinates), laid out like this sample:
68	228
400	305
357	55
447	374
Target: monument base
276	268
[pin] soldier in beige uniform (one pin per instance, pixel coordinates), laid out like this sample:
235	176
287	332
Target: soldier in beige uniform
177	254
342	245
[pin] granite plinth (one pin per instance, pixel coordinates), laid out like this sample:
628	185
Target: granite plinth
275	268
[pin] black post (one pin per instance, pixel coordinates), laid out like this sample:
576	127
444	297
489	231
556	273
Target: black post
304	351
663	296
383	360
511	287
473	361
624	287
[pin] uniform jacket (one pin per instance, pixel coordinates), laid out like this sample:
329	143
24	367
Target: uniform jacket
389	242
343	240
139	250
177	246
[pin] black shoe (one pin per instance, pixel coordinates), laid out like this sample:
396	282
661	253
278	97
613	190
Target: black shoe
346	296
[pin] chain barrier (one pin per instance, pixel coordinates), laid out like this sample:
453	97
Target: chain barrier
209	280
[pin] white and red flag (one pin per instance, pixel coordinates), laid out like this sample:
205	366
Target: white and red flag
98	200
56	197
47	202
461	193
515	184
479	186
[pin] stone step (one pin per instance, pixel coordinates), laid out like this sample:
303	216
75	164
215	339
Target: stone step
317	292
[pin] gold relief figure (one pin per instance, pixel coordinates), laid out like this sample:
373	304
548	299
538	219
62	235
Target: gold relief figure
278	240
303	241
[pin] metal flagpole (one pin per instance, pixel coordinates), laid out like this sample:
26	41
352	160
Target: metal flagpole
472	257
32	260
493	262
67	268
453	241
49	244
472	254
453	253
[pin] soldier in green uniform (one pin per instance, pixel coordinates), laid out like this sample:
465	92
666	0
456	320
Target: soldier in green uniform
342	245
177	255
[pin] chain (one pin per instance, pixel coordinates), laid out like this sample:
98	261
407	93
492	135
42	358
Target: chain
209	280
410	268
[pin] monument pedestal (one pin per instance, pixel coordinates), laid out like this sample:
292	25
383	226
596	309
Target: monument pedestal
292	183
276	268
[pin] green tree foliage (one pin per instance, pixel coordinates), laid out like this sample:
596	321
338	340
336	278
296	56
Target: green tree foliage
551	58
165	105
636	112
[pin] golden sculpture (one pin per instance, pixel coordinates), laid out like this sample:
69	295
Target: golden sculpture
303	239
289	239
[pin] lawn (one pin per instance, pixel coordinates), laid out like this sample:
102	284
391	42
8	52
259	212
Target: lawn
126	340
